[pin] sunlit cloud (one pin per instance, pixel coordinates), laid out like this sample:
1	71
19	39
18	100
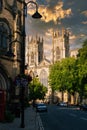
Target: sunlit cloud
84	13
84	22
54	14
82	35
73	37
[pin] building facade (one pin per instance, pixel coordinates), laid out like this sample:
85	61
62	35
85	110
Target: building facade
60	42
11	25
38	64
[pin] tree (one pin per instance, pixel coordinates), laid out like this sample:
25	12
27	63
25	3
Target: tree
36	90
82	71
70	74
63	76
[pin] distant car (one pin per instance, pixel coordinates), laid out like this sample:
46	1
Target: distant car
83	107
64	104
41	107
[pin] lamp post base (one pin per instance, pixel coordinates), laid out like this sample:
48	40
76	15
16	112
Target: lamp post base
22	107
22	126
22	118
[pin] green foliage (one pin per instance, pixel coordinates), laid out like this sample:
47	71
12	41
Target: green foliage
36	90
82	70
82	55
62	75
70	74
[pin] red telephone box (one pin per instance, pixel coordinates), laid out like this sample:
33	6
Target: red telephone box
2	105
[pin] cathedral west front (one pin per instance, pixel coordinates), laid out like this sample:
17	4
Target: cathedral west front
37	63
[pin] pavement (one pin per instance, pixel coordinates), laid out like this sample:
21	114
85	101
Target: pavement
32	121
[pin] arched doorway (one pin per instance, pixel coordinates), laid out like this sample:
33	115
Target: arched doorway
2	82
3	92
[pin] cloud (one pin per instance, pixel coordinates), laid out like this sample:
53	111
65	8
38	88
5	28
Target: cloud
84	13
73	37
84	22
54	13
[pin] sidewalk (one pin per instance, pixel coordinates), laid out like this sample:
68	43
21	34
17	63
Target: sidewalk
32	121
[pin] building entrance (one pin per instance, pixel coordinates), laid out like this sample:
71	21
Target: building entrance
2	104
3	87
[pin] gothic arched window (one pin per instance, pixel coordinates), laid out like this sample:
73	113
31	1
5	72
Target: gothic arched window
57	53
32	58
3	38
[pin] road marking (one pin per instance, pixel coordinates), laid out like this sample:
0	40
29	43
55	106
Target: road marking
83	118
39	121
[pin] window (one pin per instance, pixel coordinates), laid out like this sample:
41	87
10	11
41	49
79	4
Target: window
3	38
0	5
32	58
57	53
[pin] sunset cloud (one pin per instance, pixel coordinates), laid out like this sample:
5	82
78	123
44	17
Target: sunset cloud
84	22
84	13
54	14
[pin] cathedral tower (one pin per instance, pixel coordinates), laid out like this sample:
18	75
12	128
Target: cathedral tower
60	42
35	51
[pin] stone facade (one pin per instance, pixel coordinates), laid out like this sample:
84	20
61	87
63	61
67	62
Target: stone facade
60	49
60	42
10	40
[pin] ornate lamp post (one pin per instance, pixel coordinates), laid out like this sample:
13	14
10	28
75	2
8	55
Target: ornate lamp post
35	15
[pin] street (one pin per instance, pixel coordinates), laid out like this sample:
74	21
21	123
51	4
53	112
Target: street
64	118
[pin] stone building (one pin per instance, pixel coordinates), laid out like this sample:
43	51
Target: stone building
38	64
60	42
11	25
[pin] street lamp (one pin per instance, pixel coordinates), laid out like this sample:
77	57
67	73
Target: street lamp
24	14
35	15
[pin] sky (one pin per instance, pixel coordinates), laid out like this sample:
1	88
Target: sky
58	14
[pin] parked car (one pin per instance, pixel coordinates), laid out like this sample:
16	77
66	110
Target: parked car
41	107
83	107
64	104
